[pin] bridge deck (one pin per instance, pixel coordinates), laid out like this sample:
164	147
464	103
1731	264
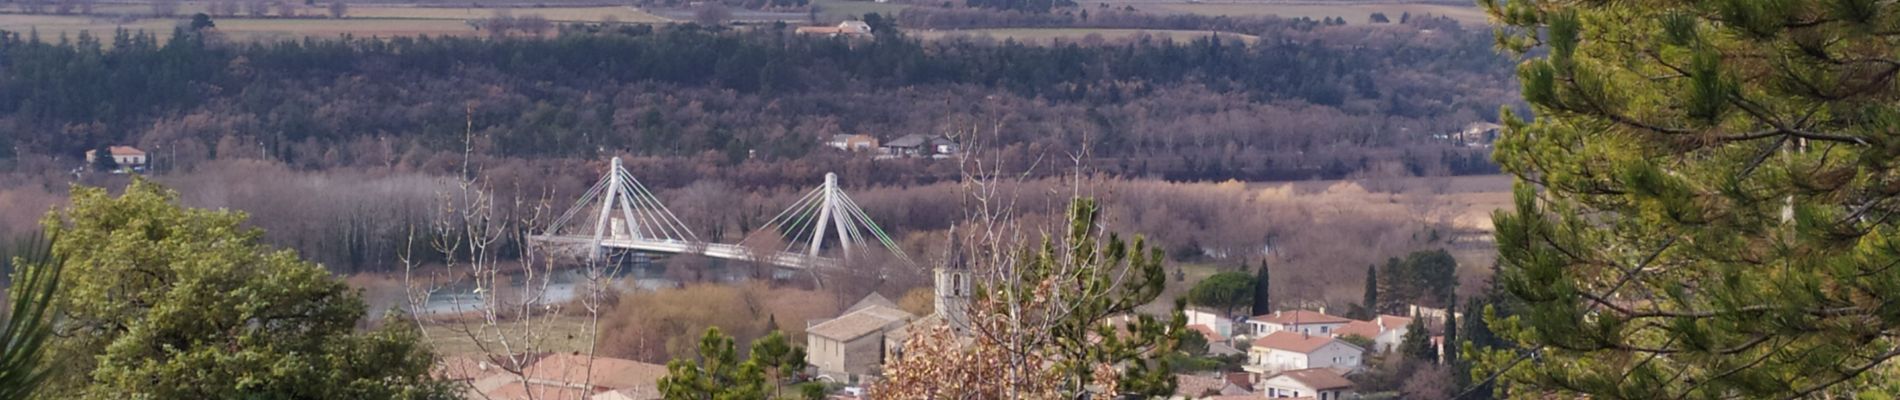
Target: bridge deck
714	250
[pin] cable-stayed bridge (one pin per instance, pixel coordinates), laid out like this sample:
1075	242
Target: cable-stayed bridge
620	213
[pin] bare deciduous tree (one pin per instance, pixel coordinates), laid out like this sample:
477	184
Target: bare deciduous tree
713	13
257	8
534	24
512	315
165	8
339	9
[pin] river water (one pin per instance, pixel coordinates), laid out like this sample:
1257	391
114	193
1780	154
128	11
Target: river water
569	283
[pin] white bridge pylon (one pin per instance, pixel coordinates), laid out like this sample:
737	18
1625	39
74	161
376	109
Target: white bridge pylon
826	213
641	217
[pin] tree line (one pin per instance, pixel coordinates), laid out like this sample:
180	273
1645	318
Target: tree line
1206	108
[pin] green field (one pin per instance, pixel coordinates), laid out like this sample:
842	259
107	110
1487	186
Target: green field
1354	13
839	10
363	20
1071	35
50	28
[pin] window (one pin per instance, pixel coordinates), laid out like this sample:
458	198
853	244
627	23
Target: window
956	284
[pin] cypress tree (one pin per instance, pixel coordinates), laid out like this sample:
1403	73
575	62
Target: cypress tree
1371	302
1479	336
1262	301
1451	333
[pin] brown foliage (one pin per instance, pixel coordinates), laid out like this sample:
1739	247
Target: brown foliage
919	301
662	325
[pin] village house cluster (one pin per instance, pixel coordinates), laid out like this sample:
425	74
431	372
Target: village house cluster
850	349
907	146
1289	354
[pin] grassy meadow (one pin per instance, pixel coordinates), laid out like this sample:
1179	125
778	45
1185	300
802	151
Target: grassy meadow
1354	13
362	20
1048	35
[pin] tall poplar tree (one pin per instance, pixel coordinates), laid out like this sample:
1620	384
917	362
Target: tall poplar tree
1706	197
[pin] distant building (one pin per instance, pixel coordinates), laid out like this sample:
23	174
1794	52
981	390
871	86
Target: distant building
859	142
921	146
1287	350
852	346
127	157
1476	134
1317	383
853	29
1300	321
1218	323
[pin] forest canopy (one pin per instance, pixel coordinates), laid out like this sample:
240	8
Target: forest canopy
1299	102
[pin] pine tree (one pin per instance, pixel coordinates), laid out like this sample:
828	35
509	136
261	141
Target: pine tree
1262	283
1704	203
162	301
28	321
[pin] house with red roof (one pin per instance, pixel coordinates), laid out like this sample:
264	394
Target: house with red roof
1386	331
1316	383
1300	321
1287	350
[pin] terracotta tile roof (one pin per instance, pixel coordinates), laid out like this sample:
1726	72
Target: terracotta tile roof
1301	317
1294	342
1393	321
858	323
1359	328
606	373
1194	386
125	151
633	393
518	391
873	299
1318	378
1207	332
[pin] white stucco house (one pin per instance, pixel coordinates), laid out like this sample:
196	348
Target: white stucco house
1220	324
1317	383
1300	321
1288	351
1386	331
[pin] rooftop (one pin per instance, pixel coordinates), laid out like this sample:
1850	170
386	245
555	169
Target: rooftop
1363	329
1318	378
1294	342
1299	317
611	373
855	324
